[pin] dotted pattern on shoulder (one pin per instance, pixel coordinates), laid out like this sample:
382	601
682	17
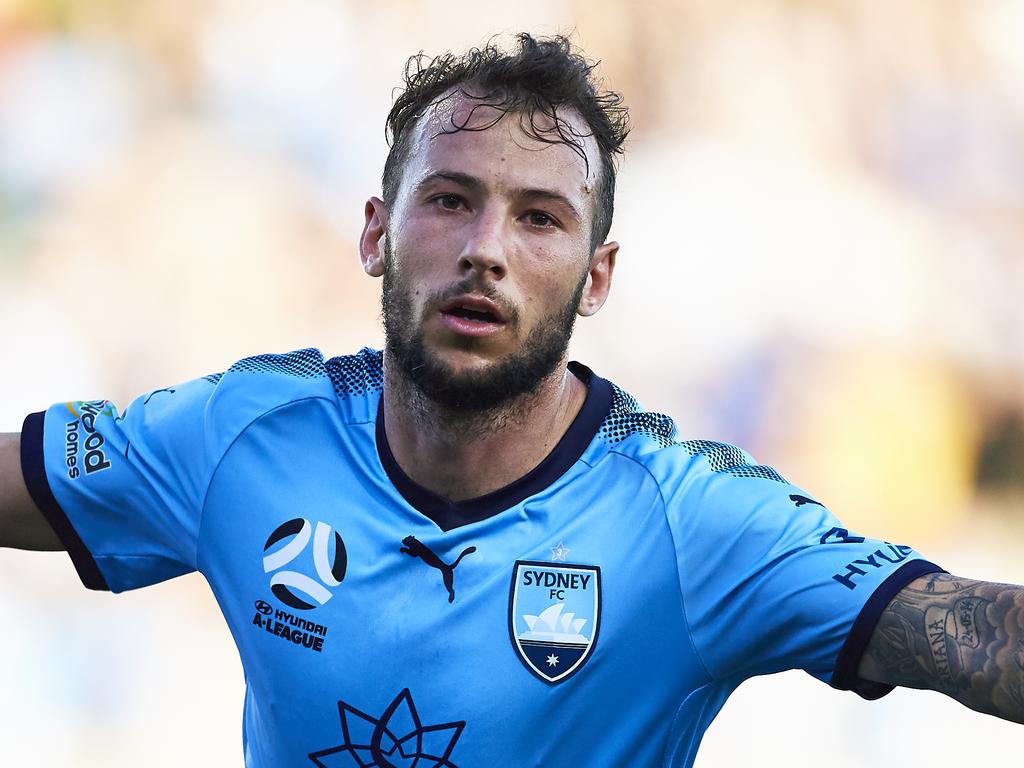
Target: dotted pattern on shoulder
359	374
626	418
350	375
303	363
728	458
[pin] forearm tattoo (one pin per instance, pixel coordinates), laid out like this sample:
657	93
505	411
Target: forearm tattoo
962	637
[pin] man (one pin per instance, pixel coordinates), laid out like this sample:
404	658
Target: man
466	550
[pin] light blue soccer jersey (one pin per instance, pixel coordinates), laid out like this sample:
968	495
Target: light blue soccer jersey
596	612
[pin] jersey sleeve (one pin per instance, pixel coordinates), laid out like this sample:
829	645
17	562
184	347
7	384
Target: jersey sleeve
124	492
771	580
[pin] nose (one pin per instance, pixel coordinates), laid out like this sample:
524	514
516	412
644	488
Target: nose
486	249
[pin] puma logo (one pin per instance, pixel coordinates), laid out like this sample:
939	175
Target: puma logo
155	391
415	548
799	500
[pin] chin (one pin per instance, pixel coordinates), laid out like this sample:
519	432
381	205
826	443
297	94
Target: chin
461	361
475	374
459	380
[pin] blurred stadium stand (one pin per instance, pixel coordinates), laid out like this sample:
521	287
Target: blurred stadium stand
821	218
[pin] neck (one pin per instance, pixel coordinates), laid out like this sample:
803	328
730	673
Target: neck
461	455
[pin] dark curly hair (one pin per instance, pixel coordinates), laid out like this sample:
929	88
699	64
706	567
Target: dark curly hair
545	77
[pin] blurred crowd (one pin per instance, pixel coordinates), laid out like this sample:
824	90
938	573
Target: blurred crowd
821	212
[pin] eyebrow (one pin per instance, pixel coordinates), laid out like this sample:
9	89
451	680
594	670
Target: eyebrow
474	184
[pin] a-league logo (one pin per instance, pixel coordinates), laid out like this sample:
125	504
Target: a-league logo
290	540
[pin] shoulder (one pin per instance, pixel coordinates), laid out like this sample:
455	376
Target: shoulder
261	383
652	440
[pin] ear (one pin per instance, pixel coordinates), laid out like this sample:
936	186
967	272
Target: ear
599	279
371	242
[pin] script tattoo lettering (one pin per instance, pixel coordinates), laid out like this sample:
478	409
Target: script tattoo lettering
935	626
961	637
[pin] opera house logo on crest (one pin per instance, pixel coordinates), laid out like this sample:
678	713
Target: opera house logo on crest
554	616
290	545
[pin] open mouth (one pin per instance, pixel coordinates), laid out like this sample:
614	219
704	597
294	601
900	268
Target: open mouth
476	315
471	315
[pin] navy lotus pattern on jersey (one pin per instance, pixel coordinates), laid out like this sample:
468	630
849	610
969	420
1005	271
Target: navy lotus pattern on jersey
397	739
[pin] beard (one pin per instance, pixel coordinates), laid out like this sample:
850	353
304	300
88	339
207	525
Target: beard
478	391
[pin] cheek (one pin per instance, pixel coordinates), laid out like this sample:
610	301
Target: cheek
418	260
549	295
556	276
425	246
423	225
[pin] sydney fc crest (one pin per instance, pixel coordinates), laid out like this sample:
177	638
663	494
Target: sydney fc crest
554	616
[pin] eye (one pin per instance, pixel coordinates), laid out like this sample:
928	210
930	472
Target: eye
540	219
449	202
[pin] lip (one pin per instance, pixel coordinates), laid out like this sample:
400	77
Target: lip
474	303
464	326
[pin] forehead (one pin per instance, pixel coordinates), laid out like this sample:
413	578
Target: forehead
460	133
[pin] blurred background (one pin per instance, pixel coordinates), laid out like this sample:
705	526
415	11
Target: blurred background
821	213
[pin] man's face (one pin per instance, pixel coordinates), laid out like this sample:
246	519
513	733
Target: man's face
486	258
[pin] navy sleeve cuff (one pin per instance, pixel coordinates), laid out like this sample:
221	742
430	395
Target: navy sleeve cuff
845	676
33	469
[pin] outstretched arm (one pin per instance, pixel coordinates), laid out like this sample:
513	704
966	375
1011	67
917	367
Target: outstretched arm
22	525
961	637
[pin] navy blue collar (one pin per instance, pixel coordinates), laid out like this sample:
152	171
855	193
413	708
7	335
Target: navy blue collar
449	514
